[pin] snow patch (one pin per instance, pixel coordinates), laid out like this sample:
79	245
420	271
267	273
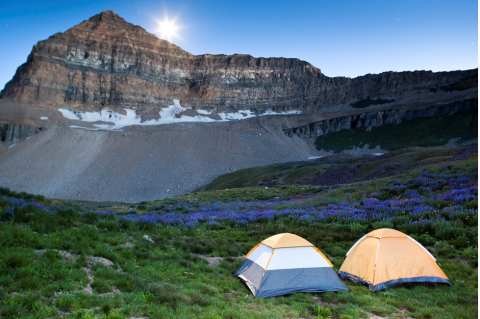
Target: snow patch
12	145
168	115
377	154
315	157
44	117
204	112
71	115
280	113
240	115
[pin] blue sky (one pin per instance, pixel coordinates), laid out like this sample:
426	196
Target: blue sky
342	38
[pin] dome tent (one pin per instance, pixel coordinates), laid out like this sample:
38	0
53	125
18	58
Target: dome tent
386	258
286	263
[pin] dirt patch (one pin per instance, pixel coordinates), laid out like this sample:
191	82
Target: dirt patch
215	261
72	257
88	270
88	289
401	314
65	254
320	302
461	260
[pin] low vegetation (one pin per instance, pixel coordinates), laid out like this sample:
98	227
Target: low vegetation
463	84
324	171
430	131
369	101
154	259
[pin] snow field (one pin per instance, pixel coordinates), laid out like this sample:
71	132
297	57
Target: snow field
168	115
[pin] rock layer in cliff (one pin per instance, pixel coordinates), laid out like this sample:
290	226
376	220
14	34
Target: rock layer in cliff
106	62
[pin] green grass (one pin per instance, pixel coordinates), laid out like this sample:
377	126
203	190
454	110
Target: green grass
247	181
431	131
170	282
288	173
167	278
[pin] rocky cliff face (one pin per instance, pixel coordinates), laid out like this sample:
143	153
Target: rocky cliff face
11	134
106	62
370	119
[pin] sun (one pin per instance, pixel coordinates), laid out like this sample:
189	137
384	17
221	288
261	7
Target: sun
168	28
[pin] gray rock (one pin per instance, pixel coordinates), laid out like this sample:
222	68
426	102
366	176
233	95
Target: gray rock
147	238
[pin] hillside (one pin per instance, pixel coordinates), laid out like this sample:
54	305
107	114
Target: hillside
341	169
106	111
175	258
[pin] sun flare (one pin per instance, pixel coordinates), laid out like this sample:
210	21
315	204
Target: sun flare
168	28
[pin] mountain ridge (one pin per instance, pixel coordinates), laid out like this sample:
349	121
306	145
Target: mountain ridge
107	62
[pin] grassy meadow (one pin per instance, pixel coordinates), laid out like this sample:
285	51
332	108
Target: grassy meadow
175	258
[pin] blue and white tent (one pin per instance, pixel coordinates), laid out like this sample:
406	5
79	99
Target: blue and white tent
286	263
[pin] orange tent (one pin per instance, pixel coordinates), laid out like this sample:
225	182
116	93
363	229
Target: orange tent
386	258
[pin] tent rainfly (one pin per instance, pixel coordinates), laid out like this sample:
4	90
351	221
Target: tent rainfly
286	263
386	258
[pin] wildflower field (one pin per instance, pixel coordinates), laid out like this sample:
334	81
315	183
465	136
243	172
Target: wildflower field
175	258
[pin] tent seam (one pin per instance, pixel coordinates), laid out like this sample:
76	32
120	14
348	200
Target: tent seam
324	257
376	257
269	260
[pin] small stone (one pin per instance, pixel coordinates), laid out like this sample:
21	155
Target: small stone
101	260
147	238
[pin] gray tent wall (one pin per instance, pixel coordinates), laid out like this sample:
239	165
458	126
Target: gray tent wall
286	281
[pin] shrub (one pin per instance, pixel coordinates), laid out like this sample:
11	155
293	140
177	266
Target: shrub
124	284
100	286
358	229
106	252
12	307
473	204
65	302
13	236
336	251
322	312
443	249
81	314
126	224
165	293
108	225
470	253
106	308
66	217
16	258
90	217
142	253
425	240
382	224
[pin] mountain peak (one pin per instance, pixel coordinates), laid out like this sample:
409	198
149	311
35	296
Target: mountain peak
111	17
107	16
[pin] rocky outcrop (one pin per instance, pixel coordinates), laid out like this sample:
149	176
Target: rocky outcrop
370	119
106	62
12	133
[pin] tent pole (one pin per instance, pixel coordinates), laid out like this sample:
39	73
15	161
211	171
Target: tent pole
376	256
